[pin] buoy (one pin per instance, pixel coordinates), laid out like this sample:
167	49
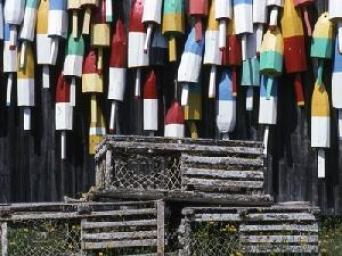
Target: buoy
137	57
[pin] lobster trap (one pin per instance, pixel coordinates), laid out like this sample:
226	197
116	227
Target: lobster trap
277	230
117	228
227	172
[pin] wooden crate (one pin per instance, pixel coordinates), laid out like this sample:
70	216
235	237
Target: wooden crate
82	228
225	172
280	229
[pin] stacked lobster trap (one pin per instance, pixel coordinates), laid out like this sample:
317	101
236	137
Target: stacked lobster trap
160	196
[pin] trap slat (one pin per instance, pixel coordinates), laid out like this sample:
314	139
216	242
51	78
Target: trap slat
222	174
119	235
119	244
93	225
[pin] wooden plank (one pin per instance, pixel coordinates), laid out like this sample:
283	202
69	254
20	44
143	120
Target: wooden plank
131	223
221	185
4	239
285	239
75	215
238	162
267	249
160	227
194	148
222	174
119	244
282	217
217	217
312	228
190	196
119	235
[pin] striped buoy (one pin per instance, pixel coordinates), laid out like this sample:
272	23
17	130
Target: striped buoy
294	47
173	25
64	111
193	111
174	121
92	81
14	15
271	56
243	15
73	63
304	4
74	6
225	105
137	57
117	70
9	62
151	103
44	42
199	10
223	13
268	106
25	87
28	27
88	5
151	18
57	25
190	65
212	53
336	85
320	121
274	6
321	48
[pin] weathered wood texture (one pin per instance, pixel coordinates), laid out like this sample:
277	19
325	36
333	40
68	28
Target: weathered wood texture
136	166
31	169
143	229
277	229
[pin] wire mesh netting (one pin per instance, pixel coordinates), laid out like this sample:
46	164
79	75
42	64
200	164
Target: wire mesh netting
141	172
44	237
213	239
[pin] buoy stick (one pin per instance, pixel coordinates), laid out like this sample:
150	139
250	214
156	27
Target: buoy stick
172	49
13	36
73	92
137	88
321	163
9	89
244	46
23	54
212	82
54	49
340	124
148	37
249	99
265	141
93	109
274	17
198	29
113	110
86	21
46	76
222	34
74	24
185	95
109	11
27	119
63	145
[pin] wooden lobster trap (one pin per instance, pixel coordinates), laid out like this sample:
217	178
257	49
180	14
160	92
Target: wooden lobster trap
206	171
289	229
85	228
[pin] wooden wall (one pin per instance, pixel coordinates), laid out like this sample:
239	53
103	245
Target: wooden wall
31	169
